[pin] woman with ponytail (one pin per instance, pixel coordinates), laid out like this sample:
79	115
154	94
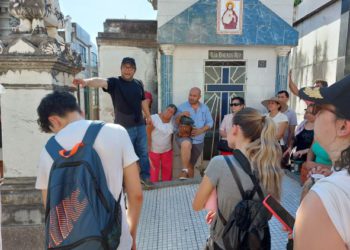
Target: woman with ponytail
255	136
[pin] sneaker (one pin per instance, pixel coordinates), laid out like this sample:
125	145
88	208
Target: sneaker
184	174
147	183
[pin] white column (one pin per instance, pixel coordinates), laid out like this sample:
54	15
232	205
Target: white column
167	70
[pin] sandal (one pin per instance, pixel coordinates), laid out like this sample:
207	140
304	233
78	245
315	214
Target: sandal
184	174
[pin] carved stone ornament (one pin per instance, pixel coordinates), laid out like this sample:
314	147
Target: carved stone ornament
30	14
35	15
50	47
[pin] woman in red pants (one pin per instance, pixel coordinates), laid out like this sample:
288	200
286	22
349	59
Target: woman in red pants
159	136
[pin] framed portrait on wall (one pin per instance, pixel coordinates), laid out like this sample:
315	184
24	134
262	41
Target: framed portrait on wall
229	16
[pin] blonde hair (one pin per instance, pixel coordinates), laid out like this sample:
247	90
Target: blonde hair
263	152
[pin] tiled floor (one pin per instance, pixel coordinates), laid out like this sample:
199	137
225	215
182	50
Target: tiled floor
168	221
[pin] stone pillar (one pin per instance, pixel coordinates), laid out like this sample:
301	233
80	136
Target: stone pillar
31	66
282	68
167	70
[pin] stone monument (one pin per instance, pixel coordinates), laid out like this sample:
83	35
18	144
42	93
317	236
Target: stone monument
34	60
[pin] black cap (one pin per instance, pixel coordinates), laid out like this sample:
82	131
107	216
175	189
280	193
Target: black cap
338	94
129	60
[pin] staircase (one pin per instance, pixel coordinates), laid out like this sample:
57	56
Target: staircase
22	215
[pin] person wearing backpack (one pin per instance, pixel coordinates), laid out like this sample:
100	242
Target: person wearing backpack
81	172
241	182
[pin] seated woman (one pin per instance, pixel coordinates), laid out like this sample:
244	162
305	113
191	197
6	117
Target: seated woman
304	137
237	103
274	105
323	218
159	137
255	136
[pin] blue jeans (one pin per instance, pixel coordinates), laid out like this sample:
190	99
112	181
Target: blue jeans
138	138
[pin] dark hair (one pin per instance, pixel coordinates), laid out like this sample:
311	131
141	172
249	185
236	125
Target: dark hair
173	107
56	103
240	99
344	161
129	60
283	92
323	83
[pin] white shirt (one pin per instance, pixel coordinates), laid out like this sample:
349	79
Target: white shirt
116	152
334	192
226	123
279	118
161	135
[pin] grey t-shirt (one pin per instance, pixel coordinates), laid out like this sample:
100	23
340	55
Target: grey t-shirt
227	191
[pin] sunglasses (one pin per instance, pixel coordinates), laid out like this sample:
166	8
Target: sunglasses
235	104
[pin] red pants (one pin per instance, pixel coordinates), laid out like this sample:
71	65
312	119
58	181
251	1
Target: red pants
162	161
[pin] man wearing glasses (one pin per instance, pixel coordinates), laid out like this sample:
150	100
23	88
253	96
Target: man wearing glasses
237	103
128	97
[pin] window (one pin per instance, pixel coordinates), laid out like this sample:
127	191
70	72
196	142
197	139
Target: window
82	51
93	59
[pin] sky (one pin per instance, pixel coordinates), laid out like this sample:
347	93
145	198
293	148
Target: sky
91	14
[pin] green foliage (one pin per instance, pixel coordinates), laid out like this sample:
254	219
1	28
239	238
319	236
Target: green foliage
297	2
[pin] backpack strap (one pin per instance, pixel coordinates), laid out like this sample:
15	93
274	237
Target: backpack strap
243	161
238	182
92	132
53	148
235	175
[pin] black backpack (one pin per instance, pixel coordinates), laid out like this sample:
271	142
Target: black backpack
247	227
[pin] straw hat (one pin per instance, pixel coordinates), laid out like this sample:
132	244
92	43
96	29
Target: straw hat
274	99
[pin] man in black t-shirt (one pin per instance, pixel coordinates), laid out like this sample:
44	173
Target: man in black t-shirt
128	97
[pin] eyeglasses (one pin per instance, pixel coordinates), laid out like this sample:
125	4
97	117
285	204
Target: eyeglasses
235	104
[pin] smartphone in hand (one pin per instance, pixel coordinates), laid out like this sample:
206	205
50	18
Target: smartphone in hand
281	214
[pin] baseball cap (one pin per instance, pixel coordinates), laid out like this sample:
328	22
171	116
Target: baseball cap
129	60
338	94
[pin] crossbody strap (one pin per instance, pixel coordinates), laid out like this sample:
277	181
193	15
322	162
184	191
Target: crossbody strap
243	161
238	182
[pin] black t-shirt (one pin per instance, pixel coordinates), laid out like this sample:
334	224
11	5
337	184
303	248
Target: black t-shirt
127	97
303	141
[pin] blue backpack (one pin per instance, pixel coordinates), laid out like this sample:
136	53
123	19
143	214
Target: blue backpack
81	213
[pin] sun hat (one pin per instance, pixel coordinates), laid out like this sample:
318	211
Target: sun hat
274	99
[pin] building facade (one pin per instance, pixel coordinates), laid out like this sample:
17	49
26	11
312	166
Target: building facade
80	41
247	57
4	18
323	46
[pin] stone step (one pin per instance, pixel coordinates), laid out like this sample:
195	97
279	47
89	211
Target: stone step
23	237
22	214
21	202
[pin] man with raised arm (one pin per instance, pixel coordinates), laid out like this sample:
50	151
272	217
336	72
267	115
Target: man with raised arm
128	97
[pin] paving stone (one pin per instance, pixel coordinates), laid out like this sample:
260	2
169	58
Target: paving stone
168	221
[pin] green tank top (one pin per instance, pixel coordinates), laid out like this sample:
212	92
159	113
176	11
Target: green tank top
321	156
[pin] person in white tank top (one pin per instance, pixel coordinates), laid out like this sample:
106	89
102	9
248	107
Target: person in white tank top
323	218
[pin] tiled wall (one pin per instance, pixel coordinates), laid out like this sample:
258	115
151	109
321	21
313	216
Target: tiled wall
197	25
